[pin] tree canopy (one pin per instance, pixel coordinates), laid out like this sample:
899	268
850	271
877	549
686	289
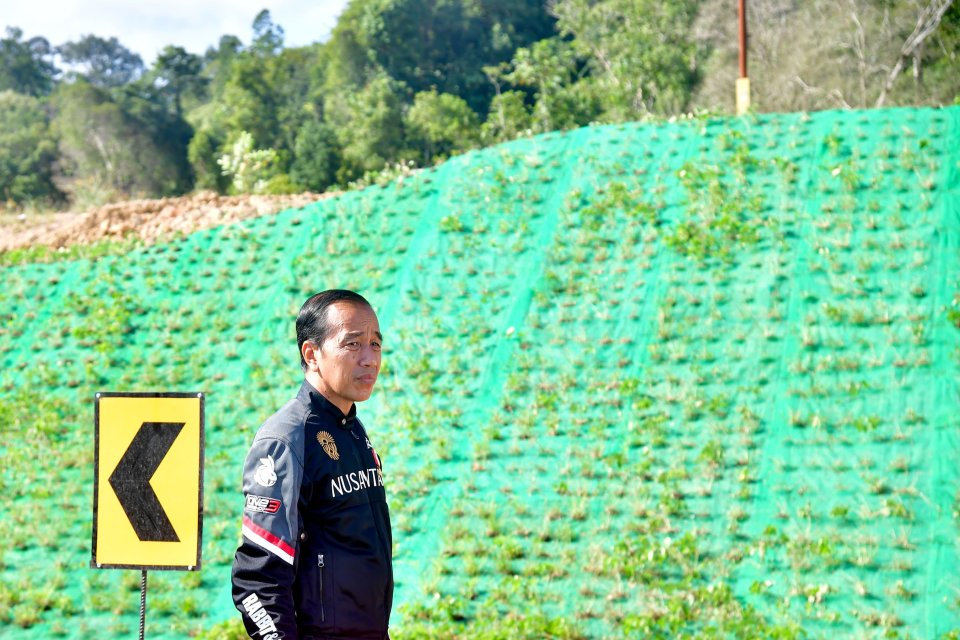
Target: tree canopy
28	150
416	81
102	62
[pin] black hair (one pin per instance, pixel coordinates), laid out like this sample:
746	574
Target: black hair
312	322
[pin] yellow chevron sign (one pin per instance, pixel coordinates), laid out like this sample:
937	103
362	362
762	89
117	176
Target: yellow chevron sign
148	481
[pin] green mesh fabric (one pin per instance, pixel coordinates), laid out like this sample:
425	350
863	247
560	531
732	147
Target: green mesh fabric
694	378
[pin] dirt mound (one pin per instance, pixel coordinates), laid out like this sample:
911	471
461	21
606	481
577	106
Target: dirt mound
149	220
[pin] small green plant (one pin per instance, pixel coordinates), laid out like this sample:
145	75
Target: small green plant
840	511
451	224
712	454
953	312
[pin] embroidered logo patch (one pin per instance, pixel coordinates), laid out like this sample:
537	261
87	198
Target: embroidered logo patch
329	445
260	504
265	474
376	458
260	617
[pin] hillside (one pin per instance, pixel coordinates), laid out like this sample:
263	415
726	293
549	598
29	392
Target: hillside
693	377
146	221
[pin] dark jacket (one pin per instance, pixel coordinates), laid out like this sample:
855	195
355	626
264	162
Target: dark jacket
316	556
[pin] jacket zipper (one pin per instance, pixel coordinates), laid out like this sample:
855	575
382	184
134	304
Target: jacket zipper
381	534
323	617
377	524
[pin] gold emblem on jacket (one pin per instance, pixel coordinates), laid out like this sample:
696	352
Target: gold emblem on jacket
329	445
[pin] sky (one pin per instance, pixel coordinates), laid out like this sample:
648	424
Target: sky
146	27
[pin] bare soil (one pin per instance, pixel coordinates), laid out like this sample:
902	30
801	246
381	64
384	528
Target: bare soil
149	220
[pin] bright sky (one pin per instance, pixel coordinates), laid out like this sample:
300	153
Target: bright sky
146	27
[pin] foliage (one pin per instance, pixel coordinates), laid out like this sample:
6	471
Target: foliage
25	66
396	173
128	146
420	80
548	70
217	61
203	154
939	71
41	254
249	100
508	118
177	73
639	52
953	312
105	63
723	213
439	44
227	630
443	123
820	54
267	35
316	156
447	618
248	168
28	151
369	124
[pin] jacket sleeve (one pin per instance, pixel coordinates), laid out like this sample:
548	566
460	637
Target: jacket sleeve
265	564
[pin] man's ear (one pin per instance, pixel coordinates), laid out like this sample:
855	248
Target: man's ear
311	354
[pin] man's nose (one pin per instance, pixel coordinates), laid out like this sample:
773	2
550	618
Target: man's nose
368	357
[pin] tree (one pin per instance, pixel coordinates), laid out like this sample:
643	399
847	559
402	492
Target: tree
640	55
262	83
104	63
217	62
549	70
369	124
433	44
822	54
249	101
942	61
928	20
203	153
508	118
296	76
316	156
442	124
28	151
177	72
25	66
168	132
118	148
267	36
347	58
444	44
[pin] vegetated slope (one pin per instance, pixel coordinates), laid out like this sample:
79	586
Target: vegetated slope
692	377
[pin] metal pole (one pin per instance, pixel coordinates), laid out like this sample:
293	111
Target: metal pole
742	12
143	600
743	82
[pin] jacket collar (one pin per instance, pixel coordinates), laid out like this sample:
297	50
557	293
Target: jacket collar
321	405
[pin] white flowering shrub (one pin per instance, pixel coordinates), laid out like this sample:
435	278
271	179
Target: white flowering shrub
249	169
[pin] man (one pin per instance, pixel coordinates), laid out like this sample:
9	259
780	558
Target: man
316	556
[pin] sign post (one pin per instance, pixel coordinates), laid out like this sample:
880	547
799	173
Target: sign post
743	81
148	483
143	602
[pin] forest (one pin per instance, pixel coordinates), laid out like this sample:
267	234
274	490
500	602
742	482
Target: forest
402	84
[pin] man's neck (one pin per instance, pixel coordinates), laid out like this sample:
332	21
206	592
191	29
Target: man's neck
323	389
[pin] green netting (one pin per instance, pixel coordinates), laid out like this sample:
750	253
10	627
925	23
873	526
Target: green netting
691	378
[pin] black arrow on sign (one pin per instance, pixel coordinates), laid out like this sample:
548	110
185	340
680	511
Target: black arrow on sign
131	481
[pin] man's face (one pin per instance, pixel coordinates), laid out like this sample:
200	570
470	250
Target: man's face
349	359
